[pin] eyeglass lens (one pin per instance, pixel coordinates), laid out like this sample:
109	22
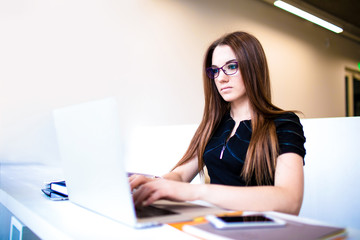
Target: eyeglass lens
229	69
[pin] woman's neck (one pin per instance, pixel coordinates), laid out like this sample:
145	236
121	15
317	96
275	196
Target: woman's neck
240	111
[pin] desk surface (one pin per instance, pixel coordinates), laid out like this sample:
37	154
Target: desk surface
21	193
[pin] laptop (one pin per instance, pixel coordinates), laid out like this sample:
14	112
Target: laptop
90	141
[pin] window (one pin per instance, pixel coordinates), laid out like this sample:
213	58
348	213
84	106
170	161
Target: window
352	94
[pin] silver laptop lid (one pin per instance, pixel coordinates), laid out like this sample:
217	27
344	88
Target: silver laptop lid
89	142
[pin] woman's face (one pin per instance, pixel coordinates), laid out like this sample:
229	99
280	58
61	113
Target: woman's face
230	87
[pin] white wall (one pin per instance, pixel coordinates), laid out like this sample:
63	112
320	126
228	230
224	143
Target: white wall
148	54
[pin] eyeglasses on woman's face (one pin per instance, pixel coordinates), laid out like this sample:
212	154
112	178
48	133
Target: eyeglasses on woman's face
229	68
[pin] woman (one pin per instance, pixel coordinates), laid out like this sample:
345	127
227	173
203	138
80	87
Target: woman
252	149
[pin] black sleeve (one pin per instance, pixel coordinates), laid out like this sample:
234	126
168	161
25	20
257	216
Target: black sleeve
290	134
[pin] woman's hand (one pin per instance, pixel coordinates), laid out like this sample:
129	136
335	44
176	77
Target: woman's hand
173	186
148	190
136	180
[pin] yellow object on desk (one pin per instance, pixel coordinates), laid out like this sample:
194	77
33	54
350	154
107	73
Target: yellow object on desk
179	225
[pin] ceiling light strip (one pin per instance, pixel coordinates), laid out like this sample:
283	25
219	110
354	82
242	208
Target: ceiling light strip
298	12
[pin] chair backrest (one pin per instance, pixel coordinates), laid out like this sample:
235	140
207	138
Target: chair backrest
161	148
332	170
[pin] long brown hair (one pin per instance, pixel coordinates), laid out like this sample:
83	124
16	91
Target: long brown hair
263	150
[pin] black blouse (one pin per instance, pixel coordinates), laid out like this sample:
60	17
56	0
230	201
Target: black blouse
225	160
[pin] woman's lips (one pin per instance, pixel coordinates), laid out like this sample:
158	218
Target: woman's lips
225	89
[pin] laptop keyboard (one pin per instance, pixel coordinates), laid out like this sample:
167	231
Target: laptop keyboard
151	211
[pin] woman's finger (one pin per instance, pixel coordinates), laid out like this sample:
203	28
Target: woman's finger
137	180
142	194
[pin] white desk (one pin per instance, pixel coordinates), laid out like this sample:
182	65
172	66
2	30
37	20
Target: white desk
21	194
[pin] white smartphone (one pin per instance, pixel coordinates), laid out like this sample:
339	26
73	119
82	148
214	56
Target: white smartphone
247	221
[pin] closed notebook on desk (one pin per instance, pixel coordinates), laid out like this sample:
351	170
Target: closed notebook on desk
292	231
90	145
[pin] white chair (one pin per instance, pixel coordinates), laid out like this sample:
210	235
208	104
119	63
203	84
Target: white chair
332	170
156	149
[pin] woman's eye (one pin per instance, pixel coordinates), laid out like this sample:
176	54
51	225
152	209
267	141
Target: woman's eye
215	70
232	66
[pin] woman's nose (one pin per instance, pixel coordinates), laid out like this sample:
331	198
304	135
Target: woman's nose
222	76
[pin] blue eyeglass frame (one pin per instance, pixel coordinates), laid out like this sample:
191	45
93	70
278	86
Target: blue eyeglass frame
211	75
